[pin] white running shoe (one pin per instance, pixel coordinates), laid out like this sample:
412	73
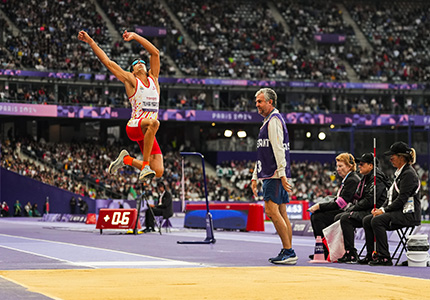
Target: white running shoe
118	162
146	173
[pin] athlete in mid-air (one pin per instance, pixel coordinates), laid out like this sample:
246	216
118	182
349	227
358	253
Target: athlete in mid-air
143	91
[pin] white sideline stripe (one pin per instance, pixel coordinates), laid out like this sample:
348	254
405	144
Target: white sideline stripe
273	239
38	254
155	260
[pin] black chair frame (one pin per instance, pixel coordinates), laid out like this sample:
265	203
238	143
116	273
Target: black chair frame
403	233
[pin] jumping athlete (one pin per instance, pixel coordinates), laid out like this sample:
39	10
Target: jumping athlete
143	91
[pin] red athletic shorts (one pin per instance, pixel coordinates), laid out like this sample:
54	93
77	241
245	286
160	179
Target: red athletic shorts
135	134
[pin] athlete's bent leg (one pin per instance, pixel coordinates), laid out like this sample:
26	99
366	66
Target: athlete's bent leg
149	129
156	162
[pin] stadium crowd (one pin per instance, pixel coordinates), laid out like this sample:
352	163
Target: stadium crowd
82	169
226	39
397	34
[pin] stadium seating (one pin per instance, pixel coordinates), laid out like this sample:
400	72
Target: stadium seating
227	39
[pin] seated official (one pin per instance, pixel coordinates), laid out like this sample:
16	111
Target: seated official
362	205
164	208
323	214
401	209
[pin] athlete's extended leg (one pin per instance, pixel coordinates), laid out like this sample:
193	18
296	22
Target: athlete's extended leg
118	162
155	162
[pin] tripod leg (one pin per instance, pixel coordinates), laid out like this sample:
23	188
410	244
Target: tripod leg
138	205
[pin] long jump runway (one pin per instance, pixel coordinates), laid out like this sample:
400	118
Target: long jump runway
41	260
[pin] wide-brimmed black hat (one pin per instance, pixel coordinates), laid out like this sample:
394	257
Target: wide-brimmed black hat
366	158
399	147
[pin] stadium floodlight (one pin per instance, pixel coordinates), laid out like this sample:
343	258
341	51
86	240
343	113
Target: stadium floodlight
308	134
228	133
241	134
322	136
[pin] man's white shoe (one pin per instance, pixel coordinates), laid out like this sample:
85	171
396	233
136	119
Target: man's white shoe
118	162
146	173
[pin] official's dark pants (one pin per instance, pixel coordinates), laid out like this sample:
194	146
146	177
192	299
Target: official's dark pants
377	227
348	226
322	219
149	219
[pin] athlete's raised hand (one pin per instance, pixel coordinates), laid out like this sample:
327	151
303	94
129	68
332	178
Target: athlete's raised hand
83	36
128	36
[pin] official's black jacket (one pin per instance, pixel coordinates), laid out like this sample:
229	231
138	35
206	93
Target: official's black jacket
364	201
166	205
346	194
407	183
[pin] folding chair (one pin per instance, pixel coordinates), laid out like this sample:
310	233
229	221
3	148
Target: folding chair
166	224
163	223
360	254
403	233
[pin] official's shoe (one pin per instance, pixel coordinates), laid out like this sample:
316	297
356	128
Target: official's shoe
381	261
146	173
350	257
285	257
366	260
146	230
118	162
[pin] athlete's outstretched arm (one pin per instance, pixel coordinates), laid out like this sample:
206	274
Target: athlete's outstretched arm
122	75
154	59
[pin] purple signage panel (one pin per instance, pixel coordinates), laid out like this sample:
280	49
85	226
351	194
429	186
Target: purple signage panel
92	112
342	119
81	112
22	109
330	38
150	31
209	116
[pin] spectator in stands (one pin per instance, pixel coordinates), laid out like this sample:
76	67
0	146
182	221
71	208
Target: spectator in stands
46	206
4	209
17	209
35	210
323	214
425	207
144	92
28	210
83	206
164	208
362	204
401	208
72	203
273	167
